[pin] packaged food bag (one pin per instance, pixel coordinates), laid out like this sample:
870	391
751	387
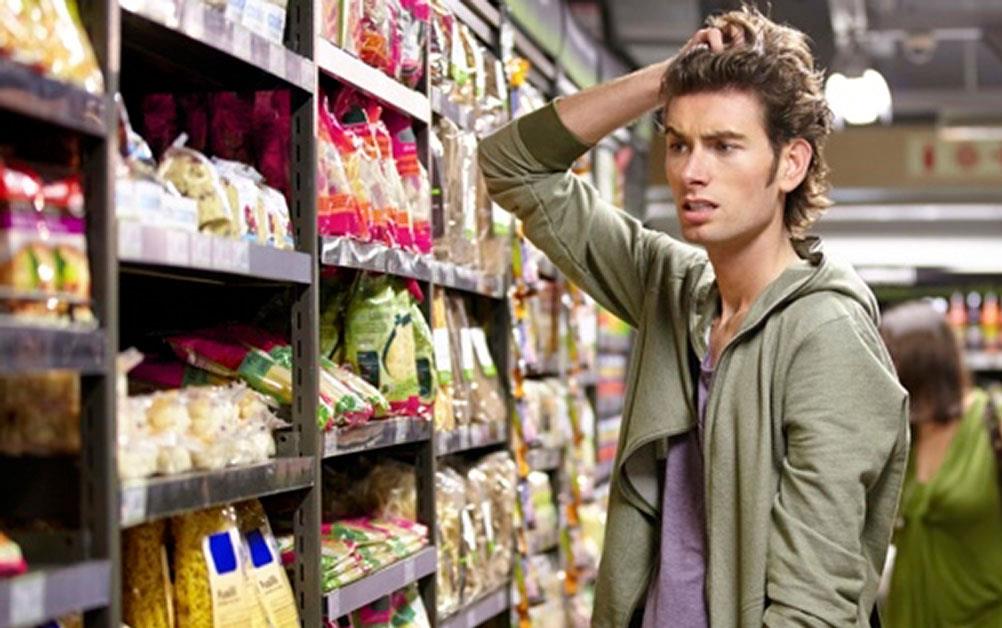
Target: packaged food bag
147	592
264	566
209	585
380	342
195	177
424	361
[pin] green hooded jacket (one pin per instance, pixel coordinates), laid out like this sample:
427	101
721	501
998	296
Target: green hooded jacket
806	430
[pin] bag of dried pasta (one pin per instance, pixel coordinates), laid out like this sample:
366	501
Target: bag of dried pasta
210	589
462	388
146	587
264	567
449	501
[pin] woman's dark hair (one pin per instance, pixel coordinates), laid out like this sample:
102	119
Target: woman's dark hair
926	354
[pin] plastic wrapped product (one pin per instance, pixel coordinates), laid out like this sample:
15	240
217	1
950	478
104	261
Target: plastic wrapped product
209	585
147	598
375	28
473	542
400	210
449	503
414	28
240	182
480	509
279	223
338	212
447	335
369	393
41	413
392	491
414	179
490	401
380	341
195	177
458	185
500	472
445	420
68	54
424	358
439	48
274	592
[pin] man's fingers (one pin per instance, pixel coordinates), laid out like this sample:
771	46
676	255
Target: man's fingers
715	39
736	36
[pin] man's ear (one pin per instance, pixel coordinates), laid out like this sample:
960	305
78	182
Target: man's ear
793	163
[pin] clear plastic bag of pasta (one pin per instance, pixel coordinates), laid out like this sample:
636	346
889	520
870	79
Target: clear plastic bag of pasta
445	419
391	491
474	542
210	589
501	488
462	393
264	566
479	504
449	502
146	587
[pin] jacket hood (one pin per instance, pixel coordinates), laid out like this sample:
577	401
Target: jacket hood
814	272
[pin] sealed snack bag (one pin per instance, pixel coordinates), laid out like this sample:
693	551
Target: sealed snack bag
408	609
402	213
68	55
454	394
415	18
449	504
414	179
339	211
369	393
147	595
380	342
439	48
209	585
279	221
241	182
375	28
195	177
264	566
424	359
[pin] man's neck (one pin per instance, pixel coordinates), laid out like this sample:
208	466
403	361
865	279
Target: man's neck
743	273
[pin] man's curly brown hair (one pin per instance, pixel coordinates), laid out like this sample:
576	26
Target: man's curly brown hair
776	64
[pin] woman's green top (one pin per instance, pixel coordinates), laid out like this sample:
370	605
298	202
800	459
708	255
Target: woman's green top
948	570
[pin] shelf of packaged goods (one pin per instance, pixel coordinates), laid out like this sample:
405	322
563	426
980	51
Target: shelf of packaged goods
44	594
480	610
27	93
544	459
31	348
155	246
377	257
376	434
350	597
463	116
153	498
347	68
467	437
477	21
983	361
201	39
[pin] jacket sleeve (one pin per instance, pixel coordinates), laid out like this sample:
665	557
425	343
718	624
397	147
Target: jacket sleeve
606	252
845	419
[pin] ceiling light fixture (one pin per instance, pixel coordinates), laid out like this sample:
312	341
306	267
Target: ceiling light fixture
859	100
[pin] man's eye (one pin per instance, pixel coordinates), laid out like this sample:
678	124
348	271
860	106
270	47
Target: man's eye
676	147
726	147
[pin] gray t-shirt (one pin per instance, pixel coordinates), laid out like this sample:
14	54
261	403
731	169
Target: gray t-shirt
677	595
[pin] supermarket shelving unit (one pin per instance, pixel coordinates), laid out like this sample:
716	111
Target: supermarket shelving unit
138	268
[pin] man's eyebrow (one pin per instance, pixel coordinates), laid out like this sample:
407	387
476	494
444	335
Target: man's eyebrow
714	135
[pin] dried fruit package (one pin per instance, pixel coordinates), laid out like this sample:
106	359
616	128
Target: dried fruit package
209	585
379	340
147	595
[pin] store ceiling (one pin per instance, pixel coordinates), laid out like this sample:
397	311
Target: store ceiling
942	58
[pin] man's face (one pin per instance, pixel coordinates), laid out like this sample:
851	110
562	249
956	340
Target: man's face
720	167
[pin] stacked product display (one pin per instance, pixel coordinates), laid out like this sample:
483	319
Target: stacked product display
254	301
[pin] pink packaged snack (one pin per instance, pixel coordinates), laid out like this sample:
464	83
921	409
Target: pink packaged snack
415	18
414	178
339	212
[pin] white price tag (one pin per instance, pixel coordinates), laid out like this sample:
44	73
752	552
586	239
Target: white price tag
276	59
334	603
177	249
464	438
402	425
241	42
194	20
443	353
130	240
466	354
483	351
27	600
133	506
409	571
201	250
241	256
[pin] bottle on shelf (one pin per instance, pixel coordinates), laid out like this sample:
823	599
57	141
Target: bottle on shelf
990	321
956	314
973	338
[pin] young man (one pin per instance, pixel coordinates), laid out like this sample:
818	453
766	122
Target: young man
764	440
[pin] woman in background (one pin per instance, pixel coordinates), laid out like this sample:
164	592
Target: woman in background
948	570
